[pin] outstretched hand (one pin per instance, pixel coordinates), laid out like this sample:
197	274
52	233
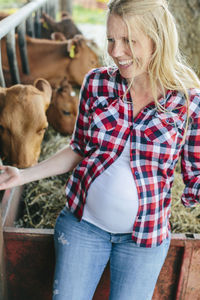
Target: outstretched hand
9	177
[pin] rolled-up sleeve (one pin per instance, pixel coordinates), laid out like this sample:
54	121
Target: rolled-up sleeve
78	140
190	158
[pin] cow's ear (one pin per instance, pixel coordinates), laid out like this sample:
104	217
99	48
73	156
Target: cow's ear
44	86
48	21
74	45
58	36
64	15
71	48
2	97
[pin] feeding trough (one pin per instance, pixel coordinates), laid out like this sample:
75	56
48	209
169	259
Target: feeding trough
29	261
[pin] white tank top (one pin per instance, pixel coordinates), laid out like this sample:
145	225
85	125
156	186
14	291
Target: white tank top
112	199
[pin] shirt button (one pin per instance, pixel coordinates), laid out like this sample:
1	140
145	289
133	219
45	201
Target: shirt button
136	173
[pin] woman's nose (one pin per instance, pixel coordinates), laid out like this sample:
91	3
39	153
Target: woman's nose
117	49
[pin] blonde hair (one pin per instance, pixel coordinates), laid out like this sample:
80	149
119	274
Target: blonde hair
167	67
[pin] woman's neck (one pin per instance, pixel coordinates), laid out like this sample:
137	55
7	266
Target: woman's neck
141	88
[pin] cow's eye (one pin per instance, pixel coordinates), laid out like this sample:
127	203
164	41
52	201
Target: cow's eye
41	130
1	128
66	113
60	89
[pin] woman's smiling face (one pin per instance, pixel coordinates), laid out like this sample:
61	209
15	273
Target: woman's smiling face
120	51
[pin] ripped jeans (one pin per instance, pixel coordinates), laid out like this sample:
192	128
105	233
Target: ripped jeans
82	252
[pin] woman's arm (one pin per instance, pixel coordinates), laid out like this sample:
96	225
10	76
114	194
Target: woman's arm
63	161
190	155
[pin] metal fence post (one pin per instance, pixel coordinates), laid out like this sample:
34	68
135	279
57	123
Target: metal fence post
23	48
12	58
2	80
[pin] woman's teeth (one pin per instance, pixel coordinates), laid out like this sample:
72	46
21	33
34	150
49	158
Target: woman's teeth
125	62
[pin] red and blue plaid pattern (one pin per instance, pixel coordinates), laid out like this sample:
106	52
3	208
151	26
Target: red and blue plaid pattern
103	125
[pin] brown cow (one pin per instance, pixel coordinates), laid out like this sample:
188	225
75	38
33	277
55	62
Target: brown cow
54	60
62	111
3	15
65	26
23	122
48	25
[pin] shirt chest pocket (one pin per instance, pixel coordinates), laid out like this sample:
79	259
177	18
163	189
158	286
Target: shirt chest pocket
104	119
165	128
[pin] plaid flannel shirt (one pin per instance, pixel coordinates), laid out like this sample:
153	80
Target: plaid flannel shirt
103	125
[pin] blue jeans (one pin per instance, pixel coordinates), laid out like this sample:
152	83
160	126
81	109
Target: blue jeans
82	253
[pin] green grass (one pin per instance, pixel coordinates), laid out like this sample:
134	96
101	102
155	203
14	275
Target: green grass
80	14
85	15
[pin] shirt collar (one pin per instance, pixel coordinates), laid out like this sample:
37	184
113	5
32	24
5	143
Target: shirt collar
121	86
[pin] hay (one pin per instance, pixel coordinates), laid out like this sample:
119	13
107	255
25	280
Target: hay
183	220
44	199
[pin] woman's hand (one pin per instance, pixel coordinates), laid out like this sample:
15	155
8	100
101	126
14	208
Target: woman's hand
61	162
9	177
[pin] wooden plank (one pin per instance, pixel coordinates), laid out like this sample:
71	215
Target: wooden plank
29	264
2	261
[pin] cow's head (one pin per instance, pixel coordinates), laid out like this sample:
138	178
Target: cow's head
83	58
23	122
66	26
62	111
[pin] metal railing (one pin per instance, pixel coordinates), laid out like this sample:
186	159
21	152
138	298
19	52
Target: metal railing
25	21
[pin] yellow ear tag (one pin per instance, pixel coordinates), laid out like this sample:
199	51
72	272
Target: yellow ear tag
45	25
72	52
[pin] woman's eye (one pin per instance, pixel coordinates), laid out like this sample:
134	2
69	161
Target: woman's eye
126	41
132	41
110	40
